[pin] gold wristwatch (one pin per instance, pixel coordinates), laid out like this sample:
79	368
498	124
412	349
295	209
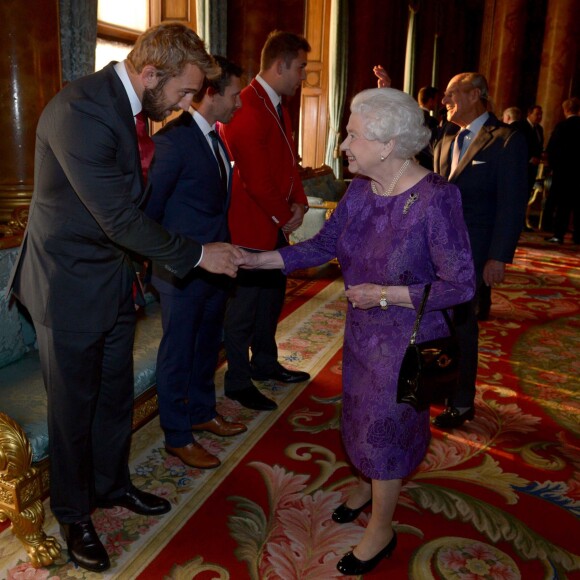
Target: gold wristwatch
383	302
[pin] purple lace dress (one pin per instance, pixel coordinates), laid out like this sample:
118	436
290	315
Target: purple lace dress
410	239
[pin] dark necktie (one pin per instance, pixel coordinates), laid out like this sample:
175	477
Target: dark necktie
281	115
216	149
457	146
146	145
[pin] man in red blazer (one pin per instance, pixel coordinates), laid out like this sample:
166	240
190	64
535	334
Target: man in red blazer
267	203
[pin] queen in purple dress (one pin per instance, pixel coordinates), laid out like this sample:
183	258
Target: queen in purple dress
397	228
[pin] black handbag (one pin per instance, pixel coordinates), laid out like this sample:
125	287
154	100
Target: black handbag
430	370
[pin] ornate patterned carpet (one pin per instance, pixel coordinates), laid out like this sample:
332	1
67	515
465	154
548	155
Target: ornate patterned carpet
498	499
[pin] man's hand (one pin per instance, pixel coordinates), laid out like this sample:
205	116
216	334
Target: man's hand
493	272
298	210
384	80
221	258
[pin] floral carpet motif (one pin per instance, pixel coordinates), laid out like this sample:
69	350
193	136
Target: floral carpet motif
496	499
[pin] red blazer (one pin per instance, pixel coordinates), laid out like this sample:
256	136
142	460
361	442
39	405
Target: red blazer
265	179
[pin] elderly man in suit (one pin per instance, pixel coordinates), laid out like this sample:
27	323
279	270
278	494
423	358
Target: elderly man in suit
268	202
487	160
190	180
534	133
563	152
75	275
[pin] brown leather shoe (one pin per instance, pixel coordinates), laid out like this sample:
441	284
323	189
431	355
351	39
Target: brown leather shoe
219	426
194	455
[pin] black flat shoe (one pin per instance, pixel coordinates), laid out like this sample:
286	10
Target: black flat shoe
280	374
252	398
84	546
343	514
138	501
451	418
350	565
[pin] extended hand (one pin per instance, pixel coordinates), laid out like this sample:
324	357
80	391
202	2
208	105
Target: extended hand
250	260
263	260
221	258
493	272
384	80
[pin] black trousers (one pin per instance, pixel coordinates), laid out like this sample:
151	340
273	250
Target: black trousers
467	329
251	320
89	383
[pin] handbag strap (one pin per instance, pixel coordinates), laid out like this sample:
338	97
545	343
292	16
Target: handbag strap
420	315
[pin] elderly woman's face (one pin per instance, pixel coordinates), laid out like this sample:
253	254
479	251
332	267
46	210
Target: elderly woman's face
362	155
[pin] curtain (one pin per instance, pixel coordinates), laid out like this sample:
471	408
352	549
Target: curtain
409	81
337	81
78	38
212	24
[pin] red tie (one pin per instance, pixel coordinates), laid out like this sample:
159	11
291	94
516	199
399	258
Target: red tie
146	145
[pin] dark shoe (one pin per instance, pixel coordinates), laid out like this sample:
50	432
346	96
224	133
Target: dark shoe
343	514
219	426
84	546
350	565
138	501
251	398
451	418
555	240
281	374
194	455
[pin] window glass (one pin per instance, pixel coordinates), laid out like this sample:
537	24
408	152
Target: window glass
131	14
108	50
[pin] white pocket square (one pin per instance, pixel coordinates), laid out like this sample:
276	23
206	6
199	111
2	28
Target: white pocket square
476	162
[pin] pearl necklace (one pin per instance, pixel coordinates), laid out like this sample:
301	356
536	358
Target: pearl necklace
391	188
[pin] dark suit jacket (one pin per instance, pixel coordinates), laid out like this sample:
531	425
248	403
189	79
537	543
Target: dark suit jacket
563	148
492	178
534	139
425	156
74	270
186	194
266	180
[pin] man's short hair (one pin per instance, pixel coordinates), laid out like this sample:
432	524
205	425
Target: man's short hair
425	94
229	69
169	47
532	108
571	106
285	45
477	81
514	113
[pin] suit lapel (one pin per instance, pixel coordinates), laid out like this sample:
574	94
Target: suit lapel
122	107
445	155
211	160
230	171
483	137
263	96
121	101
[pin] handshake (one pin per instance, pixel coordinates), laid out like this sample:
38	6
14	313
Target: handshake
222	258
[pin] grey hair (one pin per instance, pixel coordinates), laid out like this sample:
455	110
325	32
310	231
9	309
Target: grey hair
477	81
392	114
514	113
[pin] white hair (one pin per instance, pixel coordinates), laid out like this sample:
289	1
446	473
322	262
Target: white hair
392	114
